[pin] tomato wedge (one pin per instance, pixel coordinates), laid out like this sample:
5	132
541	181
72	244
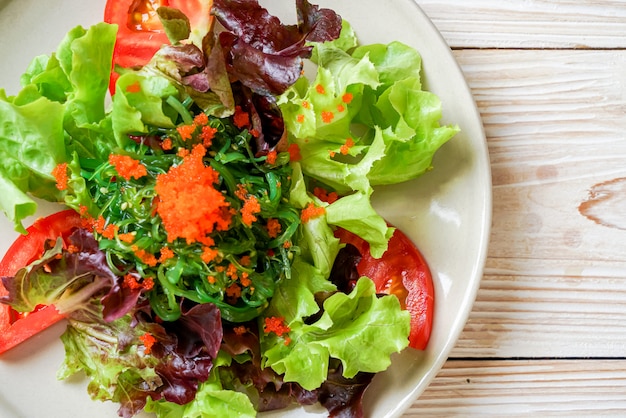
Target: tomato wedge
16	327
401	271
140	33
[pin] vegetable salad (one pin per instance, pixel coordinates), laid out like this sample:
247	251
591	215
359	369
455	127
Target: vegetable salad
210	189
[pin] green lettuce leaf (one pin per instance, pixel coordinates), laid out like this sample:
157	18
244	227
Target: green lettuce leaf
364	120
135	109
359	329
26	165
211	400
116	369
356	214
60	110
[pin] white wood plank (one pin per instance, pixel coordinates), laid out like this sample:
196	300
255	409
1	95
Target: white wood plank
529	23
525	388
555	280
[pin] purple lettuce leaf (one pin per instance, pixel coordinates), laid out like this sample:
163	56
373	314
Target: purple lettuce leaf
188	361
122	368
264	54
320	24
70	280
266	119
342	397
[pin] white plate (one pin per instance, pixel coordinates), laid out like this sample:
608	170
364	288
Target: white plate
447	212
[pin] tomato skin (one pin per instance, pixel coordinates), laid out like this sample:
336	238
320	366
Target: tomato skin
16	327
401	271
140	33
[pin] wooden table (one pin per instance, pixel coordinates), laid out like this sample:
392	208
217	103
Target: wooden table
547	335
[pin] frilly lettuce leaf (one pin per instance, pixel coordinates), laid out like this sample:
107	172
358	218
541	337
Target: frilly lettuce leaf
58	111
211	400
359	329
363	120
121	368
26	166
356	214
135	108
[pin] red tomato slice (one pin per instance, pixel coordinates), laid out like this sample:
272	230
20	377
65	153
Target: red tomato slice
140	33
16	327
401	271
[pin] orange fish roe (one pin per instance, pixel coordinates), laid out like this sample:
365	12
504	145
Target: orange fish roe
311	211
345	148
201	119
127	238
320	89
276	325
183	152
306	104
186	131
347	98
88	222
110	231
99	224
240	330
327	117
127	167
232	271
166	144
331	153
83	210
255	133
300	118
250	207
340	108
134	88
131	282
271	157
60	175
323	195
208	254
273	227
148	342
107	231
245	260
287	244
241	191
245	279
211	279
233	291
144	256
148	283
190	206
165	254
207	135
241	119
294	152
72	249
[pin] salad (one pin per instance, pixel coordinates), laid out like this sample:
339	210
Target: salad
220	255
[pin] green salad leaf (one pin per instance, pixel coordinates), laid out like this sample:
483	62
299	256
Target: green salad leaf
363	120
59	110
133	163
360	329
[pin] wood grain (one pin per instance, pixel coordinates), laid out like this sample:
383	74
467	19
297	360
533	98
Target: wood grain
525	388
555	124
515	24
546	336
